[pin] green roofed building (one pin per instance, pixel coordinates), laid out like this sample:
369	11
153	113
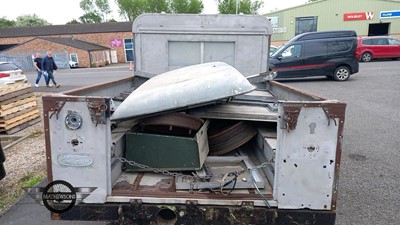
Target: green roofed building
366	17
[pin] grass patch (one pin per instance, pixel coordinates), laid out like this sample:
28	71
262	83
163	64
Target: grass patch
7	198
31	180
10	193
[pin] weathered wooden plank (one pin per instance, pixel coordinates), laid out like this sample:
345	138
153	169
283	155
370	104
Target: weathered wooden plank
19	97
7	89
19	122
5	123
15	94
21	112
17	108
16	103
20	127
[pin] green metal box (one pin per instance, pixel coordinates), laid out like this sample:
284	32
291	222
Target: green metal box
167	152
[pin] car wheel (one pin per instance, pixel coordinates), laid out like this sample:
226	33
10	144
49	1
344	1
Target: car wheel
366	57
341	73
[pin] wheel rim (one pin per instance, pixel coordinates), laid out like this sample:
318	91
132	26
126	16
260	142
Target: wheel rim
366	57
342	74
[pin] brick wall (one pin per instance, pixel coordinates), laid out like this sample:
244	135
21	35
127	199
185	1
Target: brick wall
99	58
40	45
95	38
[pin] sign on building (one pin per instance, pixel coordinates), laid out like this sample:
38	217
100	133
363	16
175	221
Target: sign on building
358	16
116	42
389	14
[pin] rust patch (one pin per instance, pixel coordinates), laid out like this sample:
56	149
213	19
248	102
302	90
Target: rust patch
290	116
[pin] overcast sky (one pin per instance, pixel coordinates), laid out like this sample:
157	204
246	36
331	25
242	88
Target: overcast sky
63	11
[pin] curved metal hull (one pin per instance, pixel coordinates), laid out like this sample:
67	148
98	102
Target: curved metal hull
183	88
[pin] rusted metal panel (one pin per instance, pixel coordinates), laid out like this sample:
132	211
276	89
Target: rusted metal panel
155	192
285	92
137	213
311	164
290	116
67	139
111	88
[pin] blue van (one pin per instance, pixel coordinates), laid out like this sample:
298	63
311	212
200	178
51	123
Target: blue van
325	53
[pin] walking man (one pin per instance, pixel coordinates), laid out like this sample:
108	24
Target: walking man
37	63
49	66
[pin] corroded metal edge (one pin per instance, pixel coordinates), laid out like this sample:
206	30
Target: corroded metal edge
140	213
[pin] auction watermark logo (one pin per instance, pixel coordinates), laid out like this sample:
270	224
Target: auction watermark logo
58	196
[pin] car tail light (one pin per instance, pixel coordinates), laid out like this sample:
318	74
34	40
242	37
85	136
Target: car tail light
4	75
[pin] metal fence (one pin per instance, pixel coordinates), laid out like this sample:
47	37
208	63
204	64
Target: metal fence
24	60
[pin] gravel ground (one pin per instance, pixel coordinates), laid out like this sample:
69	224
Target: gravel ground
24	158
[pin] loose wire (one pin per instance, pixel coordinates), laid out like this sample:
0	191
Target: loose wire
258	190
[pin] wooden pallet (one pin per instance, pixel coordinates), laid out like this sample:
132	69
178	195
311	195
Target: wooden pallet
20	126
6	124
19	120
19	113
17	102
15	99
18	108
14	90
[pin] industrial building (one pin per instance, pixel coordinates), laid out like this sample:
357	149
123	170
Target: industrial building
88	44
366	17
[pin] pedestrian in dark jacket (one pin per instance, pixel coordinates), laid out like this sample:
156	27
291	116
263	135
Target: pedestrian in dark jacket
37	63
49	66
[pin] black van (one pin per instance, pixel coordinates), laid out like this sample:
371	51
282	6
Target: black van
325	53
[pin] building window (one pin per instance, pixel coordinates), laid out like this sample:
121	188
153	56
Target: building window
306	24
129	45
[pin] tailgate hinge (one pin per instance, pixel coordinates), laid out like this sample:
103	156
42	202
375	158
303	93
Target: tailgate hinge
55	108
332	113
290	116
98	112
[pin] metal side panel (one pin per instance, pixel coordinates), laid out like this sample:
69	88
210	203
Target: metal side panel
79	139
306	157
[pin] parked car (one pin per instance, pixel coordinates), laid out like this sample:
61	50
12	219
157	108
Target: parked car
375	47
10	73
73	64
327	53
